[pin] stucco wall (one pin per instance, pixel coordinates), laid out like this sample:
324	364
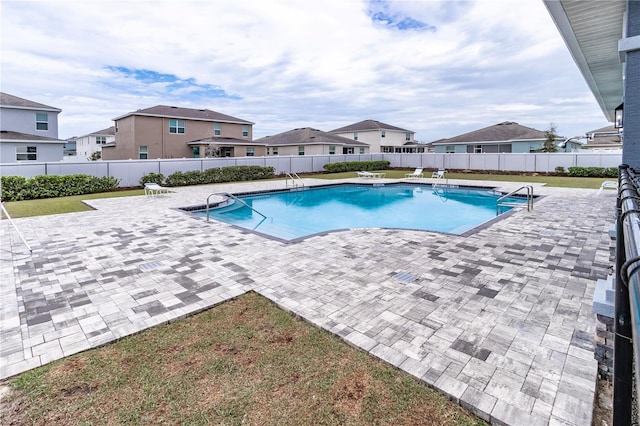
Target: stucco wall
45	152
24	121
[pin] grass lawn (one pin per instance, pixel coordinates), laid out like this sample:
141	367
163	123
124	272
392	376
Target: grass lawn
554	181
243	362
71	204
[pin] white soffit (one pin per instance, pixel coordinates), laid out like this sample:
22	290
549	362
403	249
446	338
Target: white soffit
591	30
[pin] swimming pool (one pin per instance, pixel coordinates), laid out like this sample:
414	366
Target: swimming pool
300	213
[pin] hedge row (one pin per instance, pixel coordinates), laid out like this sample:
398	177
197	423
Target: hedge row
214	175
16	188
356	166
600	172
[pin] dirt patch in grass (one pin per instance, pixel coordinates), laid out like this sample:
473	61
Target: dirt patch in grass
603	406
243	362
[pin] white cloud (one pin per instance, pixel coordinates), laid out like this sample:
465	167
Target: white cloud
456	66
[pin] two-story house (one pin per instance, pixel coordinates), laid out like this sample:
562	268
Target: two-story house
174	132
29	131
309	141
381	137
88	145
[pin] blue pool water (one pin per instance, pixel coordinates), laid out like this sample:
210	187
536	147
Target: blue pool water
296	214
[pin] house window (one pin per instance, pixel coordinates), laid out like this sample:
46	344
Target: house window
143	152
42	121
217	129
347	150
477	149
196	152
407	136
101	140
245	131
251	151
275	150
332	149
176	126
26	153
383	133
355	136
450	149
301	150
362	150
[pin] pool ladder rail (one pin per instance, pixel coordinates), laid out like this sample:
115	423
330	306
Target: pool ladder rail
295	180
233	197
500	203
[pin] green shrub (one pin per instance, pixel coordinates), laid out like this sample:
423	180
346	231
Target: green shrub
12	187
16	188
560	170
586	171
220	175
152	178
355	166
599	172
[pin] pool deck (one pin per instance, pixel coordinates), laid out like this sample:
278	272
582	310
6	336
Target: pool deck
500	321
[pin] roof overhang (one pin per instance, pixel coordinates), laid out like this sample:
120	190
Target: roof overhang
34	141
591	31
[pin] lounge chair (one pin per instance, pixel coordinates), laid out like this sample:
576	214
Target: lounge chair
364	174
439	174
152	189
417	173
609	184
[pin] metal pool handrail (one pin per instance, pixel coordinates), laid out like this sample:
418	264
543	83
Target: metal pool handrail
235	198
529	188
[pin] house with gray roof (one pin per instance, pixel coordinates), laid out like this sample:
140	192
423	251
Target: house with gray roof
175	132
309	141
29	131
505	137
87	145
381	137
604	139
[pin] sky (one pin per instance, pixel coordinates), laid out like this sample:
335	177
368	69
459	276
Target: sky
438	68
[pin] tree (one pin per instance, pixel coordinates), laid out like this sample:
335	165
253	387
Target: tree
212	150
550	139
96	155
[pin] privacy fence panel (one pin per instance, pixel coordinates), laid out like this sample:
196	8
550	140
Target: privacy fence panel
130	171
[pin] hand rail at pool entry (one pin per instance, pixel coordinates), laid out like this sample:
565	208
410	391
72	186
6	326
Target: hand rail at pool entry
228	195
501	203
294	177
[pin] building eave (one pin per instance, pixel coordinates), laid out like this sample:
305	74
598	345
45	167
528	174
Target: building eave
591	31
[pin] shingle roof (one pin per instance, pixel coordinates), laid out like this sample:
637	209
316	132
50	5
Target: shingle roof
185	113
7	100
368	125
110	131
606	129
604	136
505	131
306	136
9	135
222	140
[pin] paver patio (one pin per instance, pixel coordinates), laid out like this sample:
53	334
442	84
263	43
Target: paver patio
500	320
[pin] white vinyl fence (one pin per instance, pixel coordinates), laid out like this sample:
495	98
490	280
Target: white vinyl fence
129	172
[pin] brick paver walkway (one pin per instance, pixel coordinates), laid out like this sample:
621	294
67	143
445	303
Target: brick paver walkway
500	321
